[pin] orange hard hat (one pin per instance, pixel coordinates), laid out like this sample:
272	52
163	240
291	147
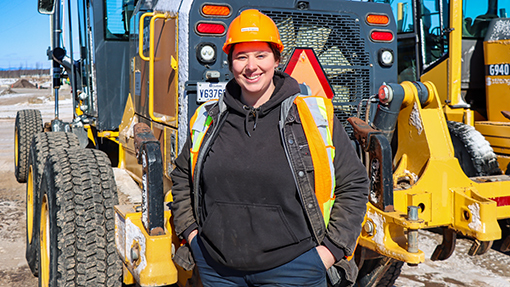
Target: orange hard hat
252	26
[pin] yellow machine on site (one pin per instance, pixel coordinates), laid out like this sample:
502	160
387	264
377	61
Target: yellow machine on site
451	144
141	68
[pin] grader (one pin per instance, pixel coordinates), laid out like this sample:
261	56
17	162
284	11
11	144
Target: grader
139	70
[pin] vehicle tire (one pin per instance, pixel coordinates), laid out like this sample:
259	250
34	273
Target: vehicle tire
475	154
42	144
387	279
28	123
391	275
77	227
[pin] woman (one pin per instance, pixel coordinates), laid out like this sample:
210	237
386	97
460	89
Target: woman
244	195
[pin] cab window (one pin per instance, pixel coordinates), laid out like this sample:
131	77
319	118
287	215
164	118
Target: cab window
434	23
477	16
406	34
115	28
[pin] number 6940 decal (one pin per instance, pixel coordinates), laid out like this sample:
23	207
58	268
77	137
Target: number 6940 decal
498	70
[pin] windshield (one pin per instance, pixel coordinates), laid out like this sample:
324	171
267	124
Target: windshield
403	13
478	14
114	22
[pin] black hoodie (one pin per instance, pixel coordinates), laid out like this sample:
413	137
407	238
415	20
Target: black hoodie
252	215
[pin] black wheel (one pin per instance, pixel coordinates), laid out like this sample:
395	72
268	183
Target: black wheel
372	272
28	123
475	155
42	144
391	275
77	227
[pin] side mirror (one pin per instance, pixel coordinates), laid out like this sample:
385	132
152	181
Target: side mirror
46	6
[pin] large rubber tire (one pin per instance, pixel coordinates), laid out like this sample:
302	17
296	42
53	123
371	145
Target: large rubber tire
475	154
28	123
42	144
387	279
391	275
77	228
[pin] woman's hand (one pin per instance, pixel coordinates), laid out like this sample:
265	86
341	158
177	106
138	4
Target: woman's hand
192	235
326	256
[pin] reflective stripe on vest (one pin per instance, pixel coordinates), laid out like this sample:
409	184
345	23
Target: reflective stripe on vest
199	124
316	115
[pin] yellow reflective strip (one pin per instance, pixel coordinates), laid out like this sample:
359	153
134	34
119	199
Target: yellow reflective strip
322	107
331	156
324	112
327	207
329	138
199	123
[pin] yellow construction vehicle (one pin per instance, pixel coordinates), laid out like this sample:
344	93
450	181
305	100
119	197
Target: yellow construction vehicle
451	139
143	67
460	47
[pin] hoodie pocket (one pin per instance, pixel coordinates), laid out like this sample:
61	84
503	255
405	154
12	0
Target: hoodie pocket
236	229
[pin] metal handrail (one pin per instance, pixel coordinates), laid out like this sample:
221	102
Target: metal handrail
151	60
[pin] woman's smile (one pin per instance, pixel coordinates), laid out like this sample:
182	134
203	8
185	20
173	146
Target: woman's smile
253	66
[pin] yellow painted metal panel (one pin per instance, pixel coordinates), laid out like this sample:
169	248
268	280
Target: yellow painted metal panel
503	212
435	180
475	216
497	129
148	258
455	53
455	115
387	237
128	278
498	135
498	84
499	150
439	76
424	201
498	142
155	59
504	161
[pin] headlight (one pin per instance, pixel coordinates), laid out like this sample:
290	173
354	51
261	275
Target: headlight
206	53
385	57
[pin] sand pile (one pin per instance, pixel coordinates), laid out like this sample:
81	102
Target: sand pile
23	83
6	92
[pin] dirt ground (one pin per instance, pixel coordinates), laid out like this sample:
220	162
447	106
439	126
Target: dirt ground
491	269
14	271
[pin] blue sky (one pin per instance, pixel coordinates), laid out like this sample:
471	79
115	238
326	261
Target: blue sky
24	35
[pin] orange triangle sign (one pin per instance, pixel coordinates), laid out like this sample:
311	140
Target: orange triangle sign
304	66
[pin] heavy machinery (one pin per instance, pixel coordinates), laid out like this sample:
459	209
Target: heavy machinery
140	70
461	50
460	47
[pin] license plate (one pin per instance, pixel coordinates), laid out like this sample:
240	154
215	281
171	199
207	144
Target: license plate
208	91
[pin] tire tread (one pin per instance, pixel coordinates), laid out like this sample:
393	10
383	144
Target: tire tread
42	144
28	123
481	155
83	247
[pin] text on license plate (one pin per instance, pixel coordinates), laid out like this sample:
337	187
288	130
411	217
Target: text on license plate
208	91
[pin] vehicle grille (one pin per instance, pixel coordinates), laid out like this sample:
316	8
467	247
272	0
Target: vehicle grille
336	40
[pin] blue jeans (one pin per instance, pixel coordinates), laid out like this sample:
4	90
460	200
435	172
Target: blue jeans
305	270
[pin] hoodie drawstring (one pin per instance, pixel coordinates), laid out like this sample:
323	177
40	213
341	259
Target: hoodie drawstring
255	113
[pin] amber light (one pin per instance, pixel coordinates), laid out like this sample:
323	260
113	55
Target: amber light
377	19
216	10
381	36
210	28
